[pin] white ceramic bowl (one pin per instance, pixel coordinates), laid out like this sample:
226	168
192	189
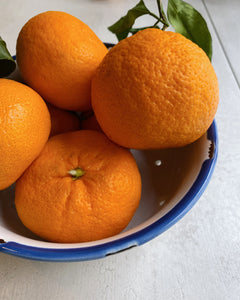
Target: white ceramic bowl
173	180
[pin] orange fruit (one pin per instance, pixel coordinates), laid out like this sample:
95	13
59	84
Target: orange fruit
82	187
62	120
57	55
25	127
155	89
90	123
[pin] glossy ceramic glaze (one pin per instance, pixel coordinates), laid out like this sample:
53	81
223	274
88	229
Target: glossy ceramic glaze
173	180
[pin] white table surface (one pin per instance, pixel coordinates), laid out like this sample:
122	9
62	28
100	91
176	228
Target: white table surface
199	257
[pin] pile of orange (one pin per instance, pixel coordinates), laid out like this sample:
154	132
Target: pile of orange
155	89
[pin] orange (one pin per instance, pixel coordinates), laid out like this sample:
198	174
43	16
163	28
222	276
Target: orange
25	127
62	120
90	123
82	187
155	89
57	55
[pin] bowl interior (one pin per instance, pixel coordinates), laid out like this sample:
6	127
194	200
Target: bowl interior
166	176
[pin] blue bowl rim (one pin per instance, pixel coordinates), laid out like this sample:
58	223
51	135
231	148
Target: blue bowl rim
135	239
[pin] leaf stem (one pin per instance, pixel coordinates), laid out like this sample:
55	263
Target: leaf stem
159	4
162	15
153	15
155	24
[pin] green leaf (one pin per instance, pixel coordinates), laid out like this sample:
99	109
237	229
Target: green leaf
189	22
123	26
7	63
135	30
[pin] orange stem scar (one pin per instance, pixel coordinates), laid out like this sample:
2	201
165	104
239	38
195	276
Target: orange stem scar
76	173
